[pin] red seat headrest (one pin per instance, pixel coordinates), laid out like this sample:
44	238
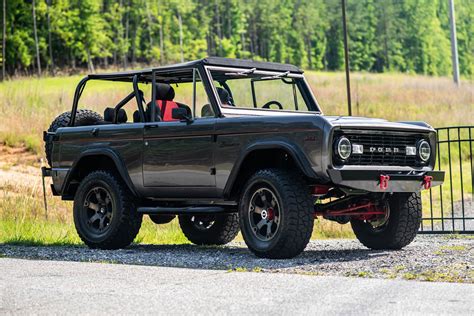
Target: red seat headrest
166	108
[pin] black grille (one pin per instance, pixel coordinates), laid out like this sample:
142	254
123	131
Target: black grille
393	147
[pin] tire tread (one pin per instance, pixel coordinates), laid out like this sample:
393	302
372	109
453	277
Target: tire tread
224	230
130	221
299	218
402	229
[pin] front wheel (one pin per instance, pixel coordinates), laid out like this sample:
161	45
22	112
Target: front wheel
276	214
397	228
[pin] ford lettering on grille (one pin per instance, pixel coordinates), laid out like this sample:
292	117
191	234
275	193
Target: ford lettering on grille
384	149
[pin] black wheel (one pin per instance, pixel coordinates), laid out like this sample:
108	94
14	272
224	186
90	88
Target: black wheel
276	214
83	118
218	229
397	228
104	212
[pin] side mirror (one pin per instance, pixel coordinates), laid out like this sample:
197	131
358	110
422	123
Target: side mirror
180	114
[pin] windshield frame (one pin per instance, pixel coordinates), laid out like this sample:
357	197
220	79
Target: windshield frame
305	90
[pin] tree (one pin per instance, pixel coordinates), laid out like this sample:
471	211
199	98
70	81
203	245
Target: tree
50	44
4	37
334	57
465	35
35	32
388	35
362	21
426	48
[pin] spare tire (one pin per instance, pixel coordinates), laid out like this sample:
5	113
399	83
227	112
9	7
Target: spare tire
83	118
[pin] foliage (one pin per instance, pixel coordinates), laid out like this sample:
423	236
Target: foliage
385	35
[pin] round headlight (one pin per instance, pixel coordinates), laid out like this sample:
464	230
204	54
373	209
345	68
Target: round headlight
424	150
344	148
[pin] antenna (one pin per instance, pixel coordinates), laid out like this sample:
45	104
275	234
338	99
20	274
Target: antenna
454	44
346	58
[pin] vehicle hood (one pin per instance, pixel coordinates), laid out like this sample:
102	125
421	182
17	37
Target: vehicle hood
375	123
333	121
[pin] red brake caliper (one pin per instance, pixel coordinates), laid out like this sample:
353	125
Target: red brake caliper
271	214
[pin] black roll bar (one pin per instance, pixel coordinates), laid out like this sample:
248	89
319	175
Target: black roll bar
77	95
153	96
121	104
136	93
139	98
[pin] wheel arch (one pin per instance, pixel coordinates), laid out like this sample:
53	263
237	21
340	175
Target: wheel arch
251	160
95	159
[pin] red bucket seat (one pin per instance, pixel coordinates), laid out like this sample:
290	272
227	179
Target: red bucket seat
164	101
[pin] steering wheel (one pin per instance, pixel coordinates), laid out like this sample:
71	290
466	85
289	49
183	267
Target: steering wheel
270	103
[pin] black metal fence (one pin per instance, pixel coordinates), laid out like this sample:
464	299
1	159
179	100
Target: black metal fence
449	208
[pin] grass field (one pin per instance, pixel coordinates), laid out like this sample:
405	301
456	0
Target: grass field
28	106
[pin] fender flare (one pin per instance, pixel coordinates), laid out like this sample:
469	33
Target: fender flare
119	165
300	159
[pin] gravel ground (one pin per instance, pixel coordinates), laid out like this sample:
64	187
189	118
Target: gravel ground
428	258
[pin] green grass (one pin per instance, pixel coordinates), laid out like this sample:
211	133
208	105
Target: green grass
30	142
41	232
37	232
23	220
434	276
150	233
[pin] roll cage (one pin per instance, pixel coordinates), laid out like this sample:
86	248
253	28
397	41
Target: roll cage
180	73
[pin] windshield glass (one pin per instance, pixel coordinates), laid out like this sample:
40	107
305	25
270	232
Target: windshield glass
252	89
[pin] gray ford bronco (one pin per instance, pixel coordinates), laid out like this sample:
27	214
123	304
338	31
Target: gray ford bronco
228	145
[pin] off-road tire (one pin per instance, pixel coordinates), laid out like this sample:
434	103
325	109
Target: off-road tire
224	229
83	118
296	214
401	228
125	222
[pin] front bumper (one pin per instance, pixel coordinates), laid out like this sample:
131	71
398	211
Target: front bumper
399	181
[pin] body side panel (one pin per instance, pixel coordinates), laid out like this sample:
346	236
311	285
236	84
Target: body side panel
121	142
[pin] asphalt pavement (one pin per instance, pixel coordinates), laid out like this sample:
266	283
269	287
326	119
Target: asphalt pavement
60	287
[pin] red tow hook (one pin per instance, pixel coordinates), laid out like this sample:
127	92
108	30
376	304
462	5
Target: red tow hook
427	182
384	181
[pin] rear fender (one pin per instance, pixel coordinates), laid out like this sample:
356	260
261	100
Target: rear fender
119	166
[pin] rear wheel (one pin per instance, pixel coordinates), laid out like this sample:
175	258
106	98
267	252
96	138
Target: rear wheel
104	212
218	229
397	228
276	214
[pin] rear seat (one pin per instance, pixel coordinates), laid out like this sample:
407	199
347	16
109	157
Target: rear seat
109	116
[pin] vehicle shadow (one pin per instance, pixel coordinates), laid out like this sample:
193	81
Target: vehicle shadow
236	257
233	257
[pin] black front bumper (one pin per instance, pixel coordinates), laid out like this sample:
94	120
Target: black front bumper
399	181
